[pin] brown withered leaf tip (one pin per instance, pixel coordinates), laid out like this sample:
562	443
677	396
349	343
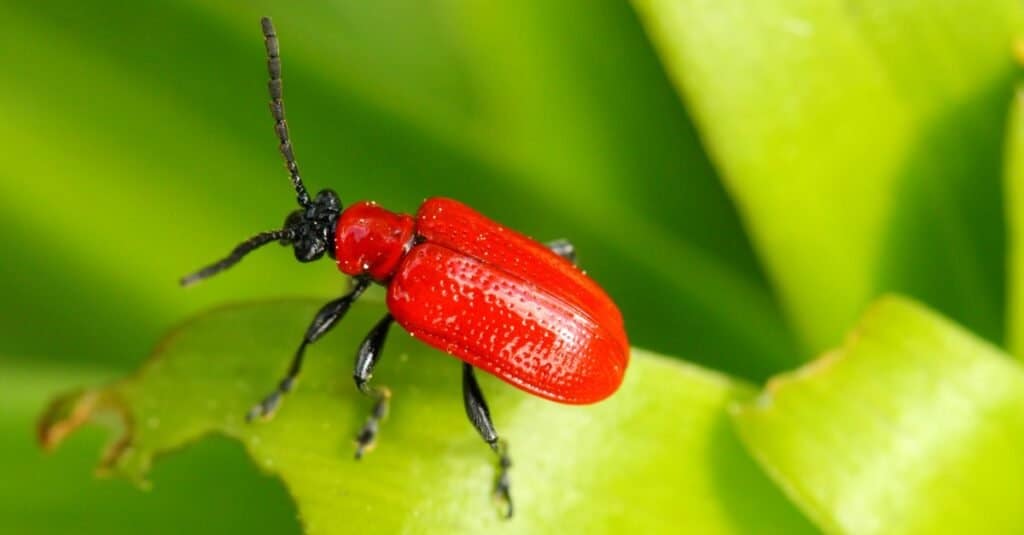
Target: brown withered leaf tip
70	411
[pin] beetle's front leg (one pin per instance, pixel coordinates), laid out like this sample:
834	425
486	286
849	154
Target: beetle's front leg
324	320
366	358
480	416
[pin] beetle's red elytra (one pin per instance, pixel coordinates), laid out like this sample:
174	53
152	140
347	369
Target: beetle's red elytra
507	305
496	299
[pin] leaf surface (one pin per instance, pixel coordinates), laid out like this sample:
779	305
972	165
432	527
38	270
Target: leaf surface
211	488
914	426
861	141
1014	207
659	454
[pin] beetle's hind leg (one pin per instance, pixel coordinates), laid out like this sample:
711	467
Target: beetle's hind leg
480	416
563	248
324	320
366	358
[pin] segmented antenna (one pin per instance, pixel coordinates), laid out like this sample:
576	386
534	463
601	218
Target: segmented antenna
237	254
277	109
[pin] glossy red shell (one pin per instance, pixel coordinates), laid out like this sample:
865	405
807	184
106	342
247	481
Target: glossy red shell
372	240
505	304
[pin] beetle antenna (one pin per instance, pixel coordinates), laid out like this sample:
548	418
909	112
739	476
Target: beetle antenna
277	109
237	254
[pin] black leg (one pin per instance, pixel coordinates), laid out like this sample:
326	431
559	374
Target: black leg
563	248
326	318
366	359
480	416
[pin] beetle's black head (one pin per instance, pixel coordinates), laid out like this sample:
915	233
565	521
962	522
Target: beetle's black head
310	229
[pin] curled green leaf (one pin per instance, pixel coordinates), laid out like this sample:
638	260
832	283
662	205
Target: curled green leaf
659	455
860	141
1014	208
914	426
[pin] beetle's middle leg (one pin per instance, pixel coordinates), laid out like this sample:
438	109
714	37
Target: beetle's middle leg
366	358
480	416
324	320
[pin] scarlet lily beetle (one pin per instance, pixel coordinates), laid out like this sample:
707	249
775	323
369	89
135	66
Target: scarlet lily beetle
492	297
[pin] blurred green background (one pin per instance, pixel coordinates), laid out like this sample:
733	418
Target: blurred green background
137	146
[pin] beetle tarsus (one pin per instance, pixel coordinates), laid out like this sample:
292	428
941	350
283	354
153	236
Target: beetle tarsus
366	439
265	409
502	485
366	359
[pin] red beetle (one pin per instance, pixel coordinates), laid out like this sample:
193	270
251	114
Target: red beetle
496	299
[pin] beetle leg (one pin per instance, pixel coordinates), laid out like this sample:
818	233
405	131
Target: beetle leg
480	416
563	248
324	320
366	358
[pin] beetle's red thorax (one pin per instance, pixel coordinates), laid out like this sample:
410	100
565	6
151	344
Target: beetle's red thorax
371	240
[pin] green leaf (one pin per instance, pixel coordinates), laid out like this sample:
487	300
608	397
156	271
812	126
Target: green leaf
659	454
914	426
860	141
1015	227
211	488
151	120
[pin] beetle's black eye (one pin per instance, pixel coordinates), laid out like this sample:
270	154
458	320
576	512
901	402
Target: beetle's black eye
308	249
327	199
294	219
293	222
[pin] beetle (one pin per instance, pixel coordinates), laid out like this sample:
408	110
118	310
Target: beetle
462	283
